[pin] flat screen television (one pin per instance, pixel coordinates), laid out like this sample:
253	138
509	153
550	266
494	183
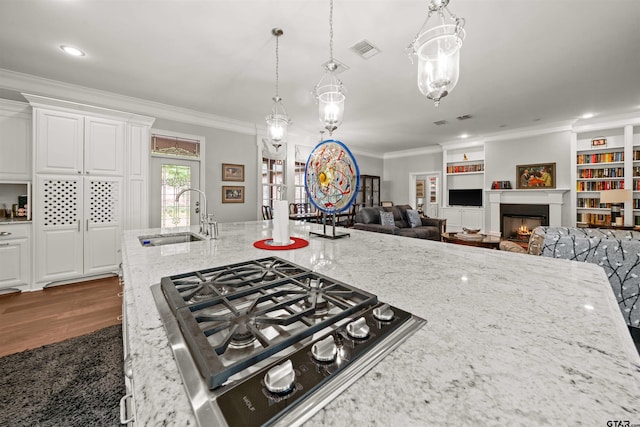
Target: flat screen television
465	197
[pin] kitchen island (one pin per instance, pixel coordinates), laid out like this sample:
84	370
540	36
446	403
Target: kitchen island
510	339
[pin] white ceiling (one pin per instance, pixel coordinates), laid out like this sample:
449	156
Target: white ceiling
523	63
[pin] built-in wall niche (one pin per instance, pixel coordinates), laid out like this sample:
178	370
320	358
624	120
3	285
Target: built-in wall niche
464	168
18	194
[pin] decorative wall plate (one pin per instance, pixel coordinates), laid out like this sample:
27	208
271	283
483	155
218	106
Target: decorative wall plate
332	177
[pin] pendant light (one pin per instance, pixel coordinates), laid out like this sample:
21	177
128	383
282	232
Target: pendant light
438	52
329	92
277	121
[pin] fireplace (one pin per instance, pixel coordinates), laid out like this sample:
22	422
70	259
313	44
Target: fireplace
518	220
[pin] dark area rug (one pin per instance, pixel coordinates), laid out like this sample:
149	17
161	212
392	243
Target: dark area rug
77	382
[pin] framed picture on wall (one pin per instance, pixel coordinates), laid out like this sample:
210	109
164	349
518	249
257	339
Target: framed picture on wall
420	184
540	175
599	142
232	172
232	194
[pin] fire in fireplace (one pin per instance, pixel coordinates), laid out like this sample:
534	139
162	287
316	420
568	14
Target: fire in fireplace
518	220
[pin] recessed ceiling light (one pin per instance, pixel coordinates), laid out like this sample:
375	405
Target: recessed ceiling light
464	135
587	115
73	51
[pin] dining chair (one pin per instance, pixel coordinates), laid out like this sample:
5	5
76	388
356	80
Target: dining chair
267	212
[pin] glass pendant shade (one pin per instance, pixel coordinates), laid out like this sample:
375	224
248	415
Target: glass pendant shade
438	52
330	97
277	122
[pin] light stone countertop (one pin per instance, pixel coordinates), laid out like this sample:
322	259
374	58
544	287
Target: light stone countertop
511	339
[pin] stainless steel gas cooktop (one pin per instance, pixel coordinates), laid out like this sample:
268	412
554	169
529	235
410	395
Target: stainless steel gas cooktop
269	342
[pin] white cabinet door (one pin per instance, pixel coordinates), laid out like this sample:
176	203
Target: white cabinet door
15	142
59	142
103	224
473	218
457	218
135	192
14	263
58	219
103	146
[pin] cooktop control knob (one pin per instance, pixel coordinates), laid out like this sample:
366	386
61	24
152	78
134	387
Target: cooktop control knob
280	378
358	328
325	350
383	313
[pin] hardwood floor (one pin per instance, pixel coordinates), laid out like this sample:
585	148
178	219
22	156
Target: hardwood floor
32	319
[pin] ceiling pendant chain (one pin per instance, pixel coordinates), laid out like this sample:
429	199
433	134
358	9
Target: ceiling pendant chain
331	31
277	66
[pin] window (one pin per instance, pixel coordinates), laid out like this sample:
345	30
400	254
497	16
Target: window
272	178
174	146
300	195
174	179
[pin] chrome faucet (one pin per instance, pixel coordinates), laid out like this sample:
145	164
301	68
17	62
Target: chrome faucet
208	226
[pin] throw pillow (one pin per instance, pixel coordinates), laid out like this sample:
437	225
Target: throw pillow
414	218
386	218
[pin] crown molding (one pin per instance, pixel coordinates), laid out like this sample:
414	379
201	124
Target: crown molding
15	106
39	86
605	123
38	101
466	143
412	152
563	126
366	153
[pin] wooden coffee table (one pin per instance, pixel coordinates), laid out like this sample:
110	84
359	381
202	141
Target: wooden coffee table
491	242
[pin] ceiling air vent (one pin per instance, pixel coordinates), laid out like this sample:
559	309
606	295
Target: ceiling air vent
365	49
465	117
341	66
440	122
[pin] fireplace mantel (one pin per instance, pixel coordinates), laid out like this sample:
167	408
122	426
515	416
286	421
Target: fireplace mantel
550	196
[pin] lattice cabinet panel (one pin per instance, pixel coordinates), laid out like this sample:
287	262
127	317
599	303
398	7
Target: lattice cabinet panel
104	201
61	202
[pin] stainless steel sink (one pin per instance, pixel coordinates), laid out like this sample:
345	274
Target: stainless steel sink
169	239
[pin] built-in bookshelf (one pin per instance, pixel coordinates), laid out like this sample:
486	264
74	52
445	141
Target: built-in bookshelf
465	167
463	163
607	157
635	186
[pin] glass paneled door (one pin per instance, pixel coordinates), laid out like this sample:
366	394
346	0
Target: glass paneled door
433	196
168	177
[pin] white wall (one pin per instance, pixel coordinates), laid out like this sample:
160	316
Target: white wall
369	166
395	179
501	158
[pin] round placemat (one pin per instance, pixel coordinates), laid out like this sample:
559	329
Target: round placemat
268	244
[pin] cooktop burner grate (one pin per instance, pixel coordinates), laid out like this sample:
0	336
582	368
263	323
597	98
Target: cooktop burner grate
233	331
190	288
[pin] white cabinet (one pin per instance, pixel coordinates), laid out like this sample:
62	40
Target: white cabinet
84	155
136	177
59	142
14	257
68	143
78	226
457	218
15	141
103	146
